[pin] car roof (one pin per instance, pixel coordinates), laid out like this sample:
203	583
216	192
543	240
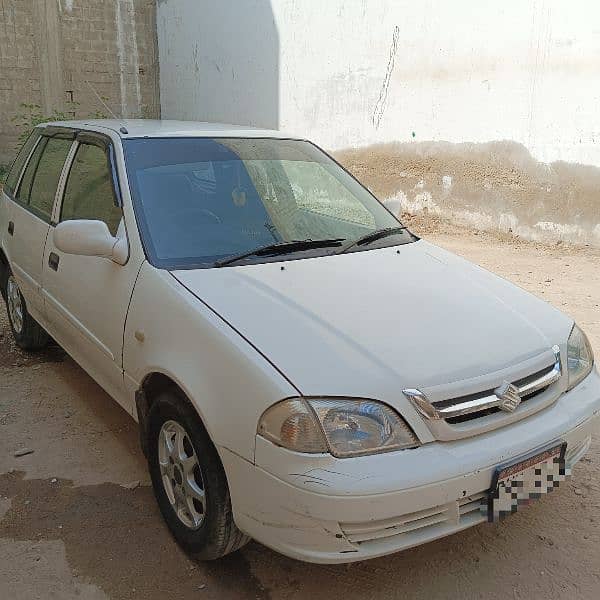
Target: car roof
135	128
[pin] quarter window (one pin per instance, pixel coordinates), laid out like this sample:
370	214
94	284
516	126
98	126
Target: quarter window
89	193
43	189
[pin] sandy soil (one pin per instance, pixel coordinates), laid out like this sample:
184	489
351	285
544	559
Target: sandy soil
77	518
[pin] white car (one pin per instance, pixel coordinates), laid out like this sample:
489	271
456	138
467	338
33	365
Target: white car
305	371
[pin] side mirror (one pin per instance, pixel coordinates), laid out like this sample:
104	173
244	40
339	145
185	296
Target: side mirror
90	238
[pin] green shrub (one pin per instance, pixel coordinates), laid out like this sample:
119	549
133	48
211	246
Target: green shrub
32	115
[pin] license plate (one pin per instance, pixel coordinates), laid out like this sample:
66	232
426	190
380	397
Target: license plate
519	483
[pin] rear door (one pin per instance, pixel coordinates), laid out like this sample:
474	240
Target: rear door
29	215
87	297
7	198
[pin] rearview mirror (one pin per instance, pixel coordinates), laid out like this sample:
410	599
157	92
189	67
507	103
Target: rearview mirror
90	238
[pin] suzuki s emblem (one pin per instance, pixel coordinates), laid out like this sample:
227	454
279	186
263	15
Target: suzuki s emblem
508	397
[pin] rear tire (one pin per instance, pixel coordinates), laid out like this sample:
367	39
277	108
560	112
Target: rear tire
28	333
189	480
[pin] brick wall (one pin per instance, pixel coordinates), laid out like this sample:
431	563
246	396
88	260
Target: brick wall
60	53
19	68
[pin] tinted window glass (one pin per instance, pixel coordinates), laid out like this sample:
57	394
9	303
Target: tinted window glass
43	190
89	193
15	171
204	199
27	179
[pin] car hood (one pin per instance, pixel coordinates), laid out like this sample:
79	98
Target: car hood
371	323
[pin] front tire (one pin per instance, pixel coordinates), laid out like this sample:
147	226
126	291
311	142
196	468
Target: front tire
28	333
189	480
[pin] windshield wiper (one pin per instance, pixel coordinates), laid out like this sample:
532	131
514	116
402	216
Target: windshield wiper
372	237
281	248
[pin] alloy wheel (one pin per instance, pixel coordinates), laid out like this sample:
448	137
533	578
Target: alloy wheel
181	474
15	304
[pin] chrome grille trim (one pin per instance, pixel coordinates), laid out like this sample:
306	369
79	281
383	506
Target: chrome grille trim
435	412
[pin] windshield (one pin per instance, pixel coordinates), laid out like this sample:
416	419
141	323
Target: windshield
202	200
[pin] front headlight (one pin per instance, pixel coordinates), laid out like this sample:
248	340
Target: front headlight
343	427
580	358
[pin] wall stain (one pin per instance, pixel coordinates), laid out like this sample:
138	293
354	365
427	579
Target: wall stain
494	185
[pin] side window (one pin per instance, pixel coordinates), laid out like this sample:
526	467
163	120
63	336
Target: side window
89	193
27	179
13	177
45	182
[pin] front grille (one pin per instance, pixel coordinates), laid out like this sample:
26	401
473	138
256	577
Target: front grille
471	416
521	383
471	504
463	512
487	402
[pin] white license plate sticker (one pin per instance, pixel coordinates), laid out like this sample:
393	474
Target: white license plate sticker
520	483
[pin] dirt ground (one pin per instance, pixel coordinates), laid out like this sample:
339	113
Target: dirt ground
78	520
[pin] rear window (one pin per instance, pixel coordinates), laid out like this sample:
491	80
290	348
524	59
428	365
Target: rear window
24	188
13	177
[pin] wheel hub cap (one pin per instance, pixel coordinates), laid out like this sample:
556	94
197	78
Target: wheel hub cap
181	474
15	305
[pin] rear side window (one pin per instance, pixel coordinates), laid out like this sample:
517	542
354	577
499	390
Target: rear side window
27	179
89	193
13	177
45	182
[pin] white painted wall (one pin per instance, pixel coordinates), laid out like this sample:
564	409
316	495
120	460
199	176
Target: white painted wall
128	56
355	72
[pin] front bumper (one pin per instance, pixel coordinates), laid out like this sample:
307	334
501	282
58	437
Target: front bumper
326	510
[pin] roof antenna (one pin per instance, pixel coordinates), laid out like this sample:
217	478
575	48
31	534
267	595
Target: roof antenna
103	103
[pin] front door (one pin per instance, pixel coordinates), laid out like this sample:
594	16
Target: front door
87	297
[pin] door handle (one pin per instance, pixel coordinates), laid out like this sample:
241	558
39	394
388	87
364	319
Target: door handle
53	261
11	227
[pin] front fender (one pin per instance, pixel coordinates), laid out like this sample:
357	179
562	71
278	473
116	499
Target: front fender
228	381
